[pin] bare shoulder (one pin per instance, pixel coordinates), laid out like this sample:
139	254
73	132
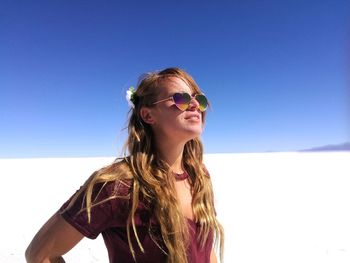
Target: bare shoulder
205	170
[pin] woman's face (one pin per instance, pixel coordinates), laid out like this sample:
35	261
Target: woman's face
170	123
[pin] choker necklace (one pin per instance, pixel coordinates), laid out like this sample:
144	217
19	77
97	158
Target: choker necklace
180	177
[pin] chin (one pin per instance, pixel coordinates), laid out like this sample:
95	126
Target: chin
192	134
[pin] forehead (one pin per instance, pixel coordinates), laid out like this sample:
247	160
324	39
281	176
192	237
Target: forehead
173	84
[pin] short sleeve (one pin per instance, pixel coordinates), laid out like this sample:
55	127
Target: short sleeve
101	214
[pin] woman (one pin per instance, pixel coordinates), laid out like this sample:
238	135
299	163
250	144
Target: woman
156	204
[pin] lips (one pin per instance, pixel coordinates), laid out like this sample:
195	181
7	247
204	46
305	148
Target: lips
193	116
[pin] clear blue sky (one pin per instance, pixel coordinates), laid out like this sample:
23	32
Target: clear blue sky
274	71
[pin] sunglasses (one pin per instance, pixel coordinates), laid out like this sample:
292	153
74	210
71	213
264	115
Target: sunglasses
182	101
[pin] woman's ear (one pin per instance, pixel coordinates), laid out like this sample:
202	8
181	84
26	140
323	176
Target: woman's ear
146	115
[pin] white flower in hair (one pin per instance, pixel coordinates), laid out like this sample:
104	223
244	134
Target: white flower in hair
130	96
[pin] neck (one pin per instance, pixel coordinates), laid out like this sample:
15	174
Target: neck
172	155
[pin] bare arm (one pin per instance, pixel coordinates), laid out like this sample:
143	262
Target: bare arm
54	239
213	257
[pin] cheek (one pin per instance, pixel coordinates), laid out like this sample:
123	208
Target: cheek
172	120
168	119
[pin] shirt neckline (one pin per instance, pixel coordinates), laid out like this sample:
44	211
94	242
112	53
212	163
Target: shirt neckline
180	177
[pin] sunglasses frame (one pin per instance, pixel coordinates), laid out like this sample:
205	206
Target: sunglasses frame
188	104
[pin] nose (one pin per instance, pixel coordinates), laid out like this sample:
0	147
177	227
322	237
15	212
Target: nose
194	105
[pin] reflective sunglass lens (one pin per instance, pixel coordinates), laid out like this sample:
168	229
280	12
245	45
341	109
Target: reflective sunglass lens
182	100
203	102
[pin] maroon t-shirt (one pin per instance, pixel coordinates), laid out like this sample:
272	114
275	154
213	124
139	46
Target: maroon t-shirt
109	218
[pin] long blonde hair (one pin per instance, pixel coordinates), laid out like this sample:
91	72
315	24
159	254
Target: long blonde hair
153	181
